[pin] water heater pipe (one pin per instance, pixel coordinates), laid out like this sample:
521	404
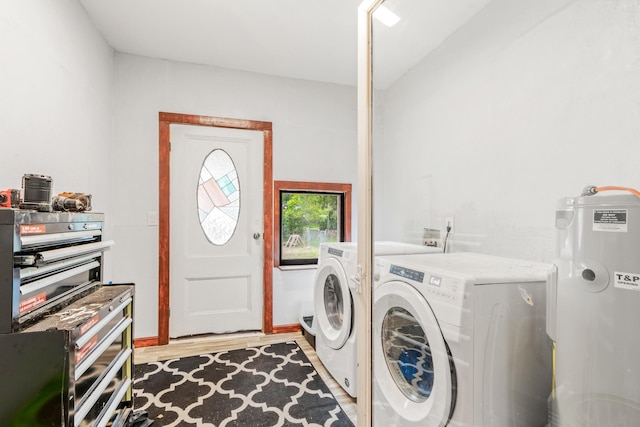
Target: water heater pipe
590	190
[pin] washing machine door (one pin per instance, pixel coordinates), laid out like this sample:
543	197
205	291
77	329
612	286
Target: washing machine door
332	303
413	373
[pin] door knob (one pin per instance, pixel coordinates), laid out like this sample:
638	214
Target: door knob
256	236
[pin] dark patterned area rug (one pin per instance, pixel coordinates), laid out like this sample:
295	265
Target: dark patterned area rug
268	386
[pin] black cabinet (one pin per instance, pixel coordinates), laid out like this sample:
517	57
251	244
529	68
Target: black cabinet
66	340
47	260
73	367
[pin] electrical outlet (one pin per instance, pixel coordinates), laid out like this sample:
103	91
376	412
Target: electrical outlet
448	222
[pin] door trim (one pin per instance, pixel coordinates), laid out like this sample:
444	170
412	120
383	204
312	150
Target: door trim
165	121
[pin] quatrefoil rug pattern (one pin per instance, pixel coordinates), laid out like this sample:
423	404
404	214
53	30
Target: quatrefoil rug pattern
268	386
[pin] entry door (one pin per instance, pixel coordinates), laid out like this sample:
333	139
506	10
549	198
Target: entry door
217	223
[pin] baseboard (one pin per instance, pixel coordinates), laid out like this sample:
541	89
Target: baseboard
280	329
283	329
145	342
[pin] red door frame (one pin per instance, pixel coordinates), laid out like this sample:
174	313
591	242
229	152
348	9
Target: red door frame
166	119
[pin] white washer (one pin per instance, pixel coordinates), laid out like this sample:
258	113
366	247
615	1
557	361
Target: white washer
459	340
334	307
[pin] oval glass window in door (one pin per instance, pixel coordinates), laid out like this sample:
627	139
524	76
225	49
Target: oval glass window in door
218	197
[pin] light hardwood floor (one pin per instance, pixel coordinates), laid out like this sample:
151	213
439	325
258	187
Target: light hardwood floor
213	344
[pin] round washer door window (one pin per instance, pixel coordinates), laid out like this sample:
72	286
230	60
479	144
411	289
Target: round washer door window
218	197
411	361
332	303
407	354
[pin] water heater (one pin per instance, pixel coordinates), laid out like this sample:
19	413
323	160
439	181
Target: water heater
594	312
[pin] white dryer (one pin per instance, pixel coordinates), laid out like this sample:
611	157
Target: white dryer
334	306
459	340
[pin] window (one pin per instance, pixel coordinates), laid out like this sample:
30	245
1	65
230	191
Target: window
306	215
218	197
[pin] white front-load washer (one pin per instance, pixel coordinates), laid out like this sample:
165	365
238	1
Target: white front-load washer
459	340
334	305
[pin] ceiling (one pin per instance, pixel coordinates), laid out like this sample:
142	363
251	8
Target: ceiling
302	39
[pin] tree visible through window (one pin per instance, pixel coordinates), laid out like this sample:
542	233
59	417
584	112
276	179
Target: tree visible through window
309	219
309	214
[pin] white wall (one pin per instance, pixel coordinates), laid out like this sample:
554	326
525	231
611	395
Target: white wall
56	86
526	104
314	139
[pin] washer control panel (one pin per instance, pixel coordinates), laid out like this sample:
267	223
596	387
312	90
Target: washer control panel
407	273
445	287
335	252
442	286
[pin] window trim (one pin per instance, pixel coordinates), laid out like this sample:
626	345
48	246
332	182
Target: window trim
316	187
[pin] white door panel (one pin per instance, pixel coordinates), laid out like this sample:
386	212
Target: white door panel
215	287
